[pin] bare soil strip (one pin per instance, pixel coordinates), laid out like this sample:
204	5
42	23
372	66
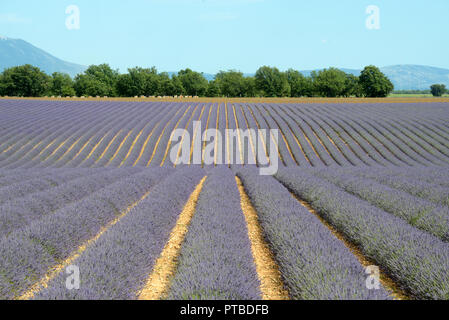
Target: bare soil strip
120	147
204	142
82	148
264	144
167	150
271	135
250	137
241	151
159	280
283	137
162	133
95	147
108	146
145	144
59	147
317	137
192	147
55	270
42	151
131	148
306	137
216	140
395	291
227	138
271	284
294	137
68	150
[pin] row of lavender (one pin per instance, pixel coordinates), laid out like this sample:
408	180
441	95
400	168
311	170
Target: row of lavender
409	243
215	260
402	227
116	134
49	230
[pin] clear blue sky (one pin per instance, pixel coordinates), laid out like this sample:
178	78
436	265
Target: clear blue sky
213	35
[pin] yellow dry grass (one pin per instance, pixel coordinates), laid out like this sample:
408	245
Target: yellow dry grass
131	148
216	140
284	138
119	148
253	149
238	136
267	160
167	149
297	142
158	281
145	144
227	137
57	149
55	270
43	150
271	284
108	146
69	149
23	146
96	146
182	138
273	140
82	148
9	148
204	143
310	143
253	100
192	147
322	144
162	133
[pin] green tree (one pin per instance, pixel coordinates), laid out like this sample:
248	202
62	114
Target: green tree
62	85
194	83
164	84
438	90
329	82
250	88
24	81
374	83
299	84
137	82
97	80
352	86
272	83
232	83
213	90
178	89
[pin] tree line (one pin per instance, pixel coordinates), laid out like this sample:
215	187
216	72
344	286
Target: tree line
102	80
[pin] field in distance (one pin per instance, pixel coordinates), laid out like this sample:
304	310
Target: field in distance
393	98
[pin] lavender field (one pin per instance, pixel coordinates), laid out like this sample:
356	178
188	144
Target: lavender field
92	205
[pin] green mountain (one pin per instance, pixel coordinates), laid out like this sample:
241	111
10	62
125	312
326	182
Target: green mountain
16	52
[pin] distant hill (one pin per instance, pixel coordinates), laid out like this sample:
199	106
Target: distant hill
16	52
411	77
